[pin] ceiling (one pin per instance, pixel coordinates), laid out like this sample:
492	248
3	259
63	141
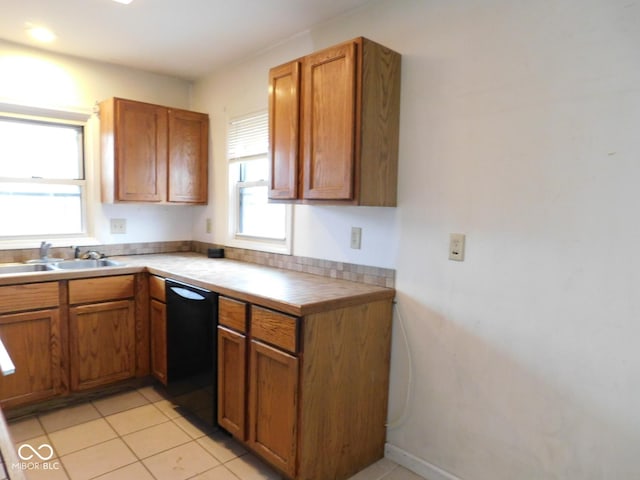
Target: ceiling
184	38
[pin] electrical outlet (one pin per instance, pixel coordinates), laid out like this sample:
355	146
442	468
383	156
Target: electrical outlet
456	247
118	226
356	238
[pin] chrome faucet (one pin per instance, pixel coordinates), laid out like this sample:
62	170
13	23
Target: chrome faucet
44	250
92	254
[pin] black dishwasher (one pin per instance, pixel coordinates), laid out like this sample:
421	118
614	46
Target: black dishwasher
192	318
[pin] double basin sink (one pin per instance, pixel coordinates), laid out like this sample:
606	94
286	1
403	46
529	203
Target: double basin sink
49	266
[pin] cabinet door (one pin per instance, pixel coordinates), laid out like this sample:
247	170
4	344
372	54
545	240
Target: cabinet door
34	344
273	405
188	156
284	130
102	343
141	151
231	382
329	120
158	314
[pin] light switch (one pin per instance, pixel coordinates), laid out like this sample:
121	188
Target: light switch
118	226
456	247
356	237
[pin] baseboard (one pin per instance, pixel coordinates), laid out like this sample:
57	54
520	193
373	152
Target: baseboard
416	465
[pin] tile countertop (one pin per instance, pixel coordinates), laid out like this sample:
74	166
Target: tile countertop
291	292
285	290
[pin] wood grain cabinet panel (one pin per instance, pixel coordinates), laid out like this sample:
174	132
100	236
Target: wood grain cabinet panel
92	290
102	343
273	406
158	328
152	153
345	126
33	340
232	374
30	296
275	328
102	331
284	128
232	314
329	123
158	317
156	288
188	153
134	151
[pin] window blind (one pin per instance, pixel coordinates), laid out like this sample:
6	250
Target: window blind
248	136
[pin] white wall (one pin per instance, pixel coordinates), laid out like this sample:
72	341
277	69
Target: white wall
519	128
39	79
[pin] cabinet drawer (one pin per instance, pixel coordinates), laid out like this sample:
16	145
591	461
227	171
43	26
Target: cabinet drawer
99	289
275	328
156	288
31	296
232	314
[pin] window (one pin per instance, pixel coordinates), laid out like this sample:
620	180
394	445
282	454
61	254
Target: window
42	180
253	222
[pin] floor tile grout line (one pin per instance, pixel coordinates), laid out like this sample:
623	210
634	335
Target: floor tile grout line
46	435
121	466
113	397
135	431
111	471
86	446
217	466
159	451
40	415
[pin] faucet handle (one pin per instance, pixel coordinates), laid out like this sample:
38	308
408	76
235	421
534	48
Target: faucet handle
44	249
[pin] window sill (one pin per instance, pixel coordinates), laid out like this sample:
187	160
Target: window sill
263	245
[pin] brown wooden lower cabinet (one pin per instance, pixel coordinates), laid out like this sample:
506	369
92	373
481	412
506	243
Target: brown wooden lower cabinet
102	343
33	341
232	366
72	335
273	402
158	321
31	328
316	386
158	328
102	331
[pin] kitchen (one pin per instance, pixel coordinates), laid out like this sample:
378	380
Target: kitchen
516	130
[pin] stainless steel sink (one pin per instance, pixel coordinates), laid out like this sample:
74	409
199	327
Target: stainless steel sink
45	260
77	264
84	263
23	268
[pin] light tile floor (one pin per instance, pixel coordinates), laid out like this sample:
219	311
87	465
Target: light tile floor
139	435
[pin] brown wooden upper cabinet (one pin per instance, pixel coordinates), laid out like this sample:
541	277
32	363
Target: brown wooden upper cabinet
152	153
334	126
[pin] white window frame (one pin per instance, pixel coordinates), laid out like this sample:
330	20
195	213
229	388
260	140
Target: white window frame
239	240
80	118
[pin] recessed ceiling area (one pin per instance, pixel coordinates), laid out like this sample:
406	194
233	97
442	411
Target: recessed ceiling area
184	38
